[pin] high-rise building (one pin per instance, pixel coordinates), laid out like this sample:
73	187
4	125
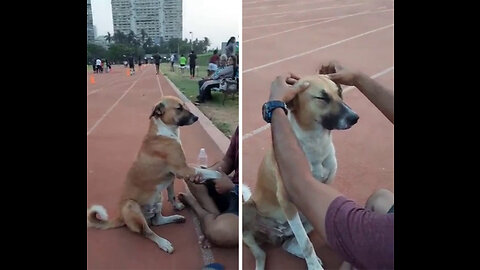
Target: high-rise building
90	33
161	19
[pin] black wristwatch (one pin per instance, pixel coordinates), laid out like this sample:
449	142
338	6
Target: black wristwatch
269	106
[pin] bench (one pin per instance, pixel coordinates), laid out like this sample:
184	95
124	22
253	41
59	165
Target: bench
228	86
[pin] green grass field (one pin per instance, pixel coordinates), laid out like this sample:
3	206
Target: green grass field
202	59
224	117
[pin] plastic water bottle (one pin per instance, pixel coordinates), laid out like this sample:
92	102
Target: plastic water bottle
202	159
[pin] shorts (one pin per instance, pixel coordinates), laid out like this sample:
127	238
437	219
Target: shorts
182	65
226	203
171	63
132	66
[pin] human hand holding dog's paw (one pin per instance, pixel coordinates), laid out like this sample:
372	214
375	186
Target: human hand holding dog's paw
280	90
196	178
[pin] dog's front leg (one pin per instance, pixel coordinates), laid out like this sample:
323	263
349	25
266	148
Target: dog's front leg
293	218
159	219
330	166
171	198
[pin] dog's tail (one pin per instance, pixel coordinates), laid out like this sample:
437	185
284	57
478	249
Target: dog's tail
97	217
246	192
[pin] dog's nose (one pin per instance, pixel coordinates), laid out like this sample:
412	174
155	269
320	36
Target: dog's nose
352	119
195	118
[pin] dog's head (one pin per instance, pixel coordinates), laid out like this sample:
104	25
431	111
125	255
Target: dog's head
322	103
172	111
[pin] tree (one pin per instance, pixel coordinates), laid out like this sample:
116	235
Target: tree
95	51
131	37
206	42
116	52
143	35
108	37
148	43
120	37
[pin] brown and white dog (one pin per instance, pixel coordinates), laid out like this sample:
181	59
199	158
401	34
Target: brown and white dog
159	161
268	215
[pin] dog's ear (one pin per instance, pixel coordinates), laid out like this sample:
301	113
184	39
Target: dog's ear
158	110
292	104
340	91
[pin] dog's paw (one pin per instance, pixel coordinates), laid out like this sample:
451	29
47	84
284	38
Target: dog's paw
179	219
178	206
166	246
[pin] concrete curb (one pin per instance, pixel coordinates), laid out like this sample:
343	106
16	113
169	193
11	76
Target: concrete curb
217	136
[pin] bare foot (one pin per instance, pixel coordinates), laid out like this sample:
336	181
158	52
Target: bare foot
203	241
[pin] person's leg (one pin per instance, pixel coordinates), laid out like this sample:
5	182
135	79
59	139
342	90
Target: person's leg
221	230
193	71
208	92
201	91
380	201
200	192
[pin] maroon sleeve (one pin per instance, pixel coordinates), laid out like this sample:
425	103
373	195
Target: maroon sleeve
232	154
364	238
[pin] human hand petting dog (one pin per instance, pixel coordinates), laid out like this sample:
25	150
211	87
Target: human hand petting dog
338	74
284	91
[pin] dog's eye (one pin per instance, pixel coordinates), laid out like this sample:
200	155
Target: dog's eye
179	108
324	98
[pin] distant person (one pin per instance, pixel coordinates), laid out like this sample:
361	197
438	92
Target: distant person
131	64
94	65
213	63
99	65
183	62
139	62
125	61
156	57
193	62
228	71
172	60
230	47
107	66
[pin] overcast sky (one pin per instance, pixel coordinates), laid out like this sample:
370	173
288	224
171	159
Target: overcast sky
216	19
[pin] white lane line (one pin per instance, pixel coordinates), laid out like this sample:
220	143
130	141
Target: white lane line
302	11
159	85
314	24
93	92
304	21
113	106
317	49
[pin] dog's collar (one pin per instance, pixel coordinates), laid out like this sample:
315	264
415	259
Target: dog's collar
166	130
